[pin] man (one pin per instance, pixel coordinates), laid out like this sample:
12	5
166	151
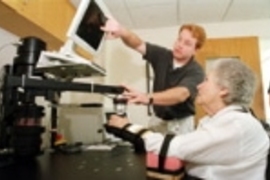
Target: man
229	143
176	75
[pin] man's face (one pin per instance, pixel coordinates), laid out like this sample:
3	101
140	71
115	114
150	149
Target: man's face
185	46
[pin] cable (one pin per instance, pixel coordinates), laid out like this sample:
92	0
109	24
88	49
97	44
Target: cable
14	43
92	85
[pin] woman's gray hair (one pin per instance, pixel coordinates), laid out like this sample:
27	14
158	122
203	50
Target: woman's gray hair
238	78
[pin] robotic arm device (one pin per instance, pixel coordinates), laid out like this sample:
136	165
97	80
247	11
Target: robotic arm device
21	83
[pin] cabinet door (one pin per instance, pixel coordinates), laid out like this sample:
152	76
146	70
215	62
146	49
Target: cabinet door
15	4
54	16
244	48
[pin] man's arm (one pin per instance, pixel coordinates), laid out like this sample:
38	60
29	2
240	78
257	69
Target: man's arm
168	97
132	40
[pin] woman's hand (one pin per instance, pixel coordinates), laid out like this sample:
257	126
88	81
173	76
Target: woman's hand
117	121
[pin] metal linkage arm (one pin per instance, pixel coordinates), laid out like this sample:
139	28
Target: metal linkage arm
48	84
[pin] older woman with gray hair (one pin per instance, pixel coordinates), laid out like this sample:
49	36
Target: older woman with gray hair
229	143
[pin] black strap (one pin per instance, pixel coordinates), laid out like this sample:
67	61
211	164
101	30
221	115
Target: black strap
188	177
163	152
248	110
126	126
140	132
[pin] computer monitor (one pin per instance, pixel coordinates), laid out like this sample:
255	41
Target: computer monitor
84	31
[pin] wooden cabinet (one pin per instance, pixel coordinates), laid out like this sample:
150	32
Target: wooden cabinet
244	48
46	19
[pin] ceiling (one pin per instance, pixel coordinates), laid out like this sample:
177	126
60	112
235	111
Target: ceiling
144	14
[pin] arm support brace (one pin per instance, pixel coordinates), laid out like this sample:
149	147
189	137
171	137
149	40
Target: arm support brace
161	166
134	138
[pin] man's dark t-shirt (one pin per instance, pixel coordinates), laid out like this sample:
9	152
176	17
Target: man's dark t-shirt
165	77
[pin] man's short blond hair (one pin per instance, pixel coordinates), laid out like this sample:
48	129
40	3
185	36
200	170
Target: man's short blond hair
197	31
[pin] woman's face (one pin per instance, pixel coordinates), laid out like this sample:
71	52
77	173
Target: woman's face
209	92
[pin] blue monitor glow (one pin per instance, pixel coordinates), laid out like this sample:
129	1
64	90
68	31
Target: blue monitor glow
84	31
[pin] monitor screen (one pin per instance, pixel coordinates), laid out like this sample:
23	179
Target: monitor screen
85	28
89	27
84	32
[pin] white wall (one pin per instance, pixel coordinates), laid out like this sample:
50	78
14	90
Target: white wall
125	65
7	50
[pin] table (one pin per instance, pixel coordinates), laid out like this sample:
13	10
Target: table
121	163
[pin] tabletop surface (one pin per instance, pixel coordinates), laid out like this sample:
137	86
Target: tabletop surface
119	163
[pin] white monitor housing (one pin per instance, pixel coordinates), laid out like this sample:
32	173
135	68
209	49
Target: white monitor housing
85	28
84	32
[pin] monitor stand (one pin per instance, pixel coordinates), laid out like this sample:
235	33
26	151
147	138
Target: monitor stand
66	64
